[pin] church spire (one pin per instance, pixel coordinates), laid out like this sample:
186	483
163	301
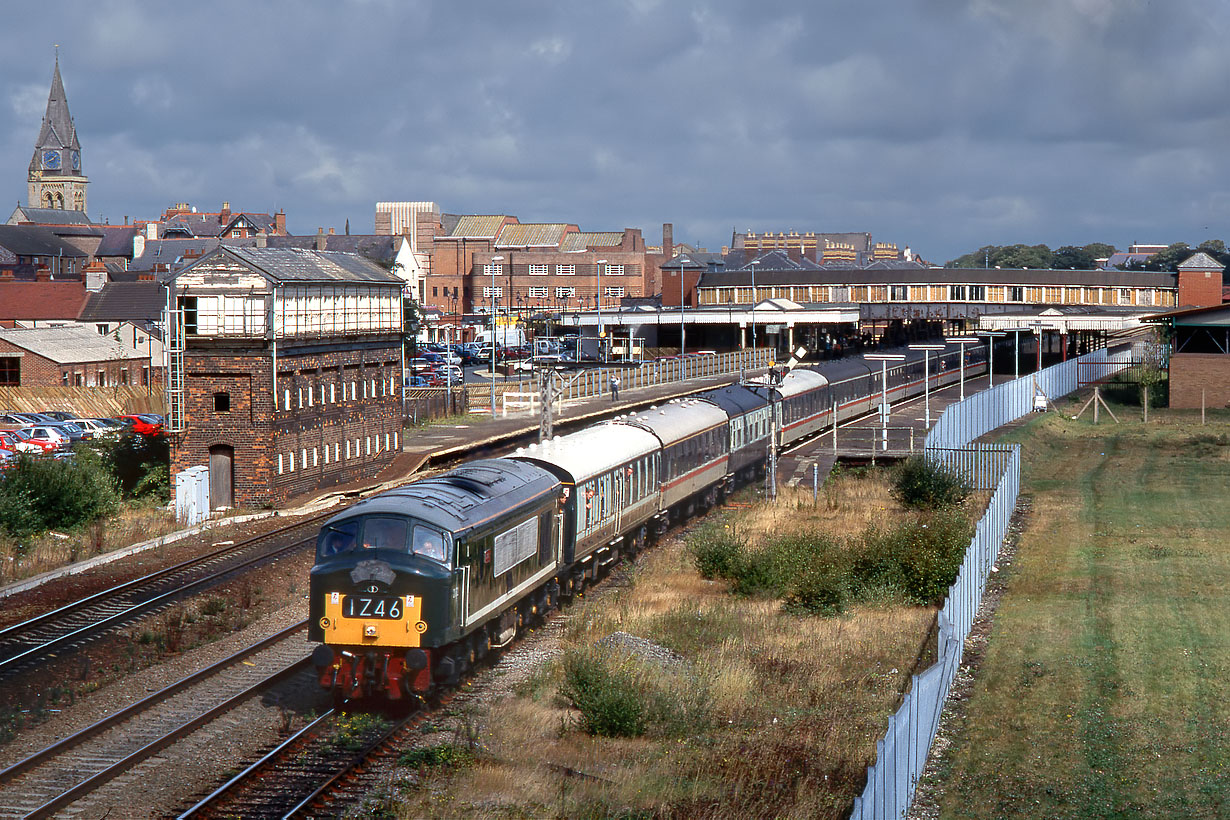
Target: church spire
56	178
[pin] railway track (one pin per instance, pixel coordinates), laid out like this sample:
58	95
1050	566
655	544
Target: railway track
73	770
25	644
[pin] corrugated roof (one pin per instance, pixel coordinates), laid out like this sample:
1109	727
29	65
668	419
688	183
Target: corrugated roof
474	226
378	247
531	235
583	240
70	345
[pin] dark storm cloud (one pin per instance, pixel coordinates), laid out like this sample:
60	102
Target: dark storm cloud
944	124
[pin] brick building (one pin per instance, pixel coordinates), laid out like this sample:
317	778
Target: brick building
534	266
284	371
1200	337
69	356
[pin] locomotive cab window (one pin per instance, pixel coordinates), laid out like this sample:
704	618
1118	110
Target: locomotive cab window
381	533
338	538
430	543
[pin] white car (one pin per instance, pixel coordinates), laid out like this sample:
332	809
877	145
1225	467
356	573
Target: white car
96	429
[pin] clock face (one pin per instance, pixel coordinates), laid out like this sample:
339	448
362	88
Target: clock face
51	159
76	160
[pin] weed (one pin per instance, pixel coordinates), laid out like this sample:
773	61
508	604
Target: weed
443	754
354	731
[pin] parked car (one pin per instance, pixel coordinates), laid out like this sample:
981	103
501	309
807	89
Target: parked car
146	424
26	419
457	375
70	429
45	436
94	428
10	442
416	381
59	415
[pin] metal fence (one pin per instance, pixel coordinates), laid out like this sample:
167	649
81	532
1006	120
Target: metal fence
902	753
597	381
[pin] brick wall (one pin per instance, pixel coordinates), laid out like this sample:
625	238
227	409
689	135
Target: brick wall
1192	372
36	371
1199	288
320	382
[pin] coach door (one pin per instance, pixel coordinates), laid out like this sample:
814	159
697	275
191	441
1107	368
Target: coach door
221	476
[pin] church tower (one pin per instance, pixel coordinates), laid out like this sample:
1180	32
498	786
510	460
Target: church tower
56	180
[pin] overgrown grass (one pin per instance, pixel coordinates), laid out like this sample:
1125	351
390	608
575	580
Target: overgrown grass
1104	686
769	714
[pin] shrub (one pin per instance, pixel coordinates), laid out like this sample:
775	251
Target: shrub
716	551
918	560
921	482
609	696
57	493
140	464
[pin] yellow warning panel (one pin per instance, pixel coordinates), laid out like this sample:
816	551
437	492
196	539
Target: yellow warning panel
362	619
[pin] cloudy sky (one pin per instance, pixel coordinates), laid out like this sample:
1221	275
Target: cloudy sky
942	124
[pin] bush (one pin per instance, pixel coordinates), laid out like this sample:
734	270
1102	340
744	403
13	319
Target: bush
716	551
609	696
56	493
141	465
918	560
921	482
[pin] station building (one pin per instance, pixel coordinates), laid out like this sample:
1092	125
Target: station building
283	370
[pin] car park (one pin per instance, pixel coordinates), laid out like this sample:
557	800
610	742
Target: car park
26	419
94	428
70	429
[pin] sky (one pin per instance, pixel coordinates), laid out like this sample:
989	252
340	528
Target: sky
944	125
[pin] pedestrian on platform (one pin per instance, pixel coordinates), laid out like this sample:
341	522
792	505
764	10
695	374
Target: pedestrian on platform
614	388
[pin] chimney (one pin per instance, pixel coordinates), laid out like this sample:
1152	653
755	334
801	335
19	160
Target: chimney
125	219
262	241
320	239
151	230
6	274
42	274
331	232
279	222
138	245
224	216
668	240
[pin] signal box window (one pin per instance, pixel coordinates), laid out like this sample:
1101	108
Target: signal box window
222	402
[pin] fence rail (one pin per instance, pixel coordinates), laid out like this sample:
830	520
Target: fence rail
597	381
902	753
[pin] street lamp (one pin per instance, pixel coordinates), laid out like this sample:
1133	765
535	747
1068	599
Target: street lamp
495	263
991	336
926	349
884	359
598	303
753	265
963	341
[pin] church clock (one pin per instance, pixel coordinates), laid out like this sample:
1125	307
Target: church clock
76	160
51	160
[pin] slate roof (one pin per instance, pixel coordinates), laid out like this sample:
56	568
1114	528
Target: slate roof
171	252
141	301
377	247
1200	261
51	216
584	240
116	241
71	344
32	240
210	224
36	301
298	265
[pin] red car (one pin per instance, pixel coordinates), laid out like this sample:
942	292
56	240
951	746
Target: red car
146	424
10	442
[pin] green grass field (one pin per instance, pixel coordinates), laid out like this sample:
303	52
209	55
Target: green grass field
1104	689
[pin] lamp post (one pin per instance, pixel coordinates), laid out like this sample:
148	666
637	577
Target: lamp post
991	336
884	359
753	265
683	325
495	263
963	341
598	304
926	349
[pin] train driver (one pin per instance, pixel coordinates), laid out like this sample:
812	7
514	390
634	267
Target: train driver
429	543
